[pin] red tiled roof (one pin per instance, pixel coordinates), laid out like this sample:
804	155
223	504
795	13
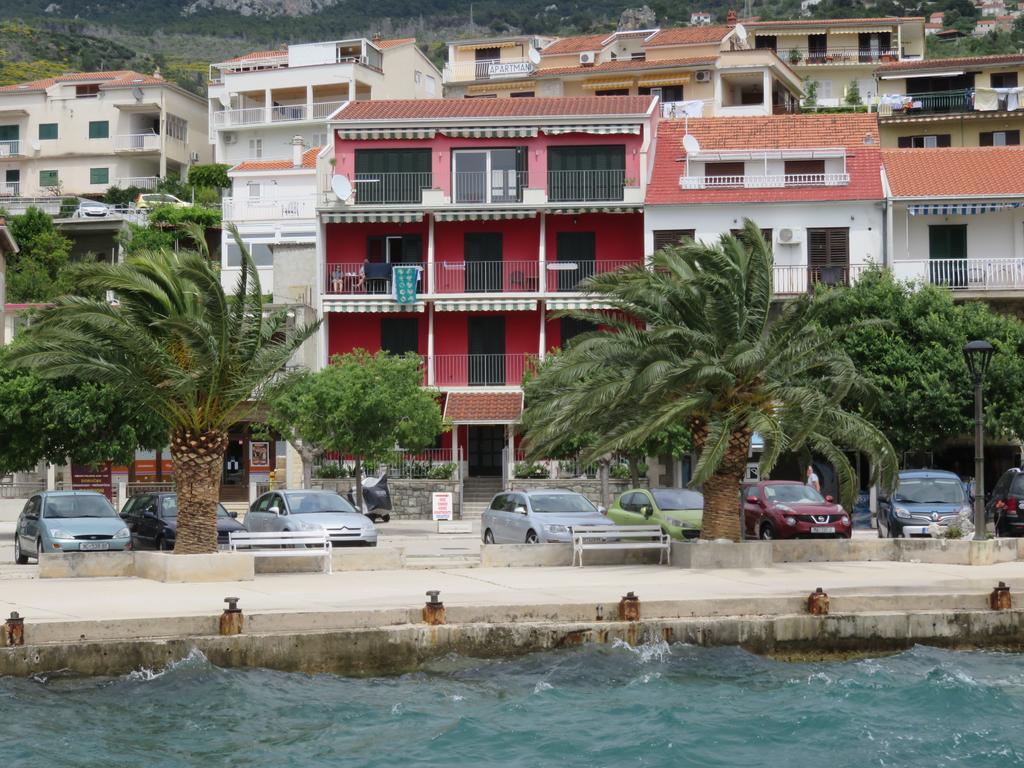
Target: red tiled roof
628	65
308	162
955	172
115	79
436	109
834	22
386	44
255	55
689	36
483	407
963	61
576	44
863	161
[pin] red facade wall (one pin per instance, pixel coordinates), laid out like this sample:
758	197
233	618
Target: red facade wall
348	331
346	243
618	236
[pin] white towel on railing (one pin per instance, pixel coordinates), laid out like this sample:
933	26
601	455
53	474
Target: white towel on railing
986	100
1012	97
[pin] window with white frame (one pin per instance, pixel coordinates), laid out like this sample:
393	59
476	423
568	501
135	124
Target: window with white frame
419	77
431	86
255	190
256	148
177	127
319	139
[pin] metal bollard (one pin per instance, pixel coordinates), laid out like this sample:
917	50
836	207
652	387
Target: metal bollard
1000	600
433	611
629	607
15	630
600	613
818	602
231	620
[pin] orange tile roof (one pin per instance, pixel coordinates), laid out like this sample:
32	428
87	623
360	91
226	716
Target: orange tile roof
628	65
962	61
833	22
863	161
483	407
120	78
576	44
255	55
434	109
689	36
308	162
955	172
386	44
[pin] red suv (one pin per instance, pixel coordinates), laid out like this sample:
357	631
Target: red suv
786	509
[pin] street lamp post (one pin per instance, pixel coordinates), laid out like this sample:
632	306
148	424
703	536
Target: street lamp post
978	354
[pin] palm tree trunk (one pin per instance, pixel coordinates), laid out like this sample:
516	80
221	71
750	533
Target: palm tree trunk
722	492
198	463
634	471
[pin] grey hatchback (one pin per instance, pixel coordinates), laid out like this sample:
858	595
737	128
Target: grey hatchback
68	521
538	515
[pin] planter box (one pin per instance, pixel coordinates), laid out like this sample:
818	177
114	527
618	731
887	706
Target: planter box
74	565
558	555
714	554
833	550
220	566
958	551
342	559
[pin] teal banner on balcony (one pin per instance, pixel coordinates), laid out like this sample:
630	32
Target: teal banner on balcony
403	282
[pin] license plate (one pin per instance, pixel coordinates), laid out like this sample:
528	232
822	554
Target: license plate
823	529
93	546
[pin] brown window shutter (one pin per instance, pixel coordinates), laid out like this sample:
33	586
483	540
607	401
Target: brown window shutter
985	139
905	142
944	140
794	167
663	237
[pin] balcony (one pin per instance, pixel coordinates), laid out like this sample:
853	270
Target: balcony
965	274
257	209
800	278
586	186
494	188
392	188
490	69
478	370
364	278
757	182
137	142
833	56
10	148
566	276
932	103
10	188
318	111
486	277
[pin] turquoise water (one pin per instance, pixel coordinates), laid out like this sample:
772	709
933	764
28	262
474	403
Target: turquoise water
654	705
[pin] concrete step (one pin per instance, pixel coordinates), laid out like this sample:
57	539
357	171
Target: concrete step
438	561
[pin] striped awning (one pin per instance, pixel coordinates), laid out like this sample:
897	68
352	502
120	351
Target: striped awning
485	305
577	304
484	215
362	134
597	130
373	217
859	30
666	80
491	132
511	85
790	32
488	44
600	85
363	306
961	209
602	207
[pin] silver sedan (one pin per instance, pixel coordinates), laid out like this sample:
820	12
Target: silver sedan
538	515
312	511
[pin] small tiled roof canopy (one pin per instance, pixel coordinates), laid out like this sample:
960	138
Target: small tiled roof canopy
483	407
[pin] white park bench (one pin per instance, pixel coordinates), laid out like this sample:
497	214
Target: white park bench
594	537
283	544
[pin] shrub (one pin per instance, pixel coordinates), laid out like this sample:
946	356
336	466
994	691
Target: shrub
213	175
525	470
954	532
121	196
441	472
331	471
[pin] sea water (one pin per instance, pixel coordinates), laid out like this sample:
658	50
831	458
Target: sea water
652	705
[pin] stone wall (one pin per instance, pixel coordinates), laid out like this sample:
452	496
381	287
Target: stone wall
410	499
589	487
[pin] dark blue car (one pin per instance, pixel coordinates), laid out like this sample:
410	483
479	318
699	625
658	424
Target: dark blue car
153	520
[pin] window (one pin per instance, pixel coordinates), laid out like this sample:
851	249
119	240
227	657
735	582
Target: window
592	173
99	175
48	179
255	148
804	167
571	328
418	77
177	127
613	92
947	254
99	129
489	176
522	95
87	91
47	131
261	254
724	174
924	142
999	138
666	92
431	86
1003	79
828	255
392	176
255	190
663	237
765	233
399	335
766	41
319	139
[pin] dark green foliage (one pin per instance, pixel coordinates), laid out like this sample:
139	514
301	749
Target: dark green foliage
37	272
121	195
213	175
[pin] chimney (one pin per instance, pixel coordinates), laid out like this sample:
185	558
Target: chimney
377	37
730	18
298	145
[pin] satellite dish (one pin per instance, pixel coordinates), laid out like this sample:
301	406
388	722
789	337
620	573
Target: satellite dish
225	100
690	144
534	56
137	93
35	145
741	33
341	186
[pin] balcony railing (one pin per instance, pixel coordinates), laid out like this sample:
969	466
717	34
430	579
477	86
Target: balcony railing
490	69
482	188
566	276
777	180
586	186
321	110
285	113
10	188
137	142
965	274
800	56
365	278
393	188
486	277
934	102
800	278
257	209
231	118
479	370
10	147
139	182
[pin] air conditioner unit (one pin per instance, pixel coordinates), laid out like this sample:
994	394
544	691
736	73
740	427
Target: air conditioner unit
703	76
194	157
587	58
788	236
230	138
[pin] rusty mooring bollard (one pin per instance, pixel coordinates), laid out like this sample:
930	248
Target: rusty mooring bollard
15	627
818	602
433	611
999	600
600	613
231	620
629	607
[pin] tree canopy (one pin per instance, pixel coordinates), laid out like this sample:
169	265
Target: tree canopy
37	273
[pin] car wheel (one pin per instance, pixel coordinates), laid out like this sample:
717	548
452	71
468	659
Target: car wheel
161	544
894	532
385	518
766	532
488	537
19	557
39	549
531	537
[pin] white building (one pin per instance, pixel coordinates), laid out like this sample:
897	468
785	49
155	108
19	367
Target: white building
84	132
700	17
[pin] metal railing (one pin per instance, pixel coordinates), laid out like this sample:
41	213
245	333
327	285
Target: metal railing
934	102
775	180
281	113
433	464
392	188
139	182
258	209
361	278
586	186
801	56
566	276
137	142
10	147
486	277
800	278
10	188
971	274
20	490
481	188
321	110
488	69
239	117
479	370
287	112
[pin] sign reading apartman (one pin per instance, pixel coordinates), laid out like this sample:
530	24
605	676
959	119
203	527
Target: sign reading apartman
509	69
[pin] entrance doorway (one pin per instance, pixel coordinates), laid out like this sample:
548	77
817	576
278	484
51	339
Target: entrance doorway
234	481
485	450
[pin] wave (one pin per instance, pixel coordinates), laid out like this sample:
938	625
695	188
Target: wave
195	660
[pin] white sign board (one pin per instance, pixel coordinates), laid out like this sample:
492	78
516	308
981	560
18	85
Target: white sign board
509	69
441	505
753	471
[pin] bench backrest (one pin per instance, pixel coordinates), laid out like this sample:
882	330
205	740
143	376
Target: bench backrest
248	540
617	530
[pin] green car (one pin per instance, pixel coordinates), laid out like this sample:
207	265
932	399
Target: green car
678	510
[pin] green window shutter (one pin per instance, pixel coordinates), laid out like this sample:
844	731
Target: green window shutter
47	178
99	129
47	131
9	133
99	175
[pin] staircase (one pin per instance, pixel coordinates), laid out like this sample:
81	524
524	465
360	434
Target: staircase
477	493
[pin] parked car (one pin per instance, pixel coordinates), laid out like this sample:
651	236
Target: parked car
539	515
1005	507
152	519
68	521
922	497
787	509
153	199
312	511
679	511
92	209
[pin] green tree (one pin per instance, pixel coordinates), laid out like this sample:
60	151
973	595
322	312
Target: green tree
695	345
177	344
35	273
853	94
363	405
213	175
291	413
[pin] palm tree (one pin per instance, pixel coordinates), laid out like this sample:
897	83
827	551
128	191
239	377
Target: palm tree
177	343
695	341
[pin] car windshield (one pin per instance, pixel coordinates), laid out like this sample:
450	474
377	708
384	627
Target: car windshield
792	494
311	503
561	503
930	490
90	505
678	499
170	508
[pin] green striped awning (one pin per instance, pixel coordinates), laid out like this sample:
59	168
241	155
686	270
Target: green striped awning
371	217
602	207
484	215
363	306
961	209
485	305
577	304
600	130
491	132
363	134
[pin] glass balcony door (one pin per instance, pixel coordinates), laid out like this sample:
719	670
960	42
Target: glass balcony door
487	176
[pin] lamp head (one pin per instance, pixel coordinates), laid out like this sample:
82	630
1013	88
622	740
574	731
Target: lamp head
978	354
